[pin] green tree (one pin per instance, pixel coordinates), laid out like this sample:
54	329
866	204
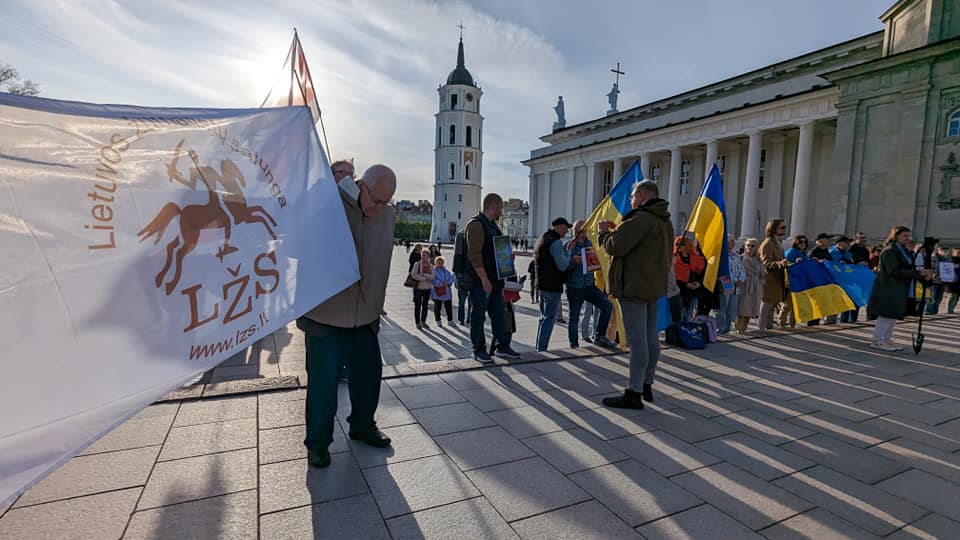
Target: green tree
411	230
10	82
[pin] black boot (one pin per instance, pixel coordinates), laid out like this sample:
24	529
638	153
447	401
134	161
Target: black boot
648	392
629	400
318	459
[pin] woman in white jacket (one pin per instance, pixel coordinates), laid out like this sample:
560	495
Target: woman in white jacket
423	274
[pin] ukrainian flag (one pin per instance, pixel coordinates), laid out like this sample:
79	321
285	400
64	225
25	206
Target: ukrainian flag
815	292
612	208
855	279
708	223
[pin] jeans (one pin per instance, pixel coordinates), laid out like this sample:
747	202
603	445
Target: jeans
481	304
463	304
421	305
727	313
952	302
676	307
936	296
359	349
849	316
549	304
883	331
640	324
588	323
687	312
576	296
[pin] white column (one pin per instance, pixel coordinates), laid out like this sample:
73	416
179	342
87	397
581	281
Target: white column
572	174
773	182
592	171
545	223
731	185
751	188
645	165
713	150
617	172
801	181
673	196
531	204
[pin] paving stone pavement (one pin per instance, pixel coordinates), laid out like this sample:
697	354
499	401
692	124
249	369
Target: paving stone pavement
807	435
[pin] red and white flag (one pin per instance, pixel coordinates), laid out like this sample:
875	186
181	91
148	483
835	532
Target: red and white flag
295	86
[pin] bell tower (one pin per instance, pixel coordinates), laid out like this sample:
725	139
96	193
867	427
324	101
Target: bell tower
458	153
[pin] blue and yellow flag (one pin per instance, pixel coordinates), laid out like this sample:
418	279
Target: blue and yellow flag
815	292
708	223
855	279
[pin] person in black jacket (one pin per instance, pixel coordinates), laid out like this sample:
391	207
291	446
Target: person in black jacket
821	251
551	259
859	250
895	284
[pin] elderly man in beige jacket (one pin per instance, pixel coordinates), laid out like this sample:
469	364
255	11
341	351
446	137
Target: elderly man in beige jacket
343	330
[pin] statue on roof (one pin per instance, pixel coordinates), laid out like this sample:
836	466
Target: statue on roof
561	117
612	99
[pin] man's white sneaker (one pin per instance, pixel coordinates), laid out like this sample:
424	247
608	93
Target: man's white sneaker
891	343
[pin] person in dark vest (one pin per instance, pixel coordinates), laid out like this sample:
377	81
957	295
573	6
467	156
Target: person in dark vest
486	287
551	260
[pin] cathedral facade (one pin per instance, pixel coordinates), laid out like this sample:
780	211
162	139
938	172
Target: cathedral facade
859	136
458	153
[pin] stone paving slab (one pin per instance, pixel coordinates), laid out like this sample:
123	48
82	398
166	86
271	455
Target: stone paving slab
98	473
635	492
747	498
737	445
228	516
103	515
866	506
473	518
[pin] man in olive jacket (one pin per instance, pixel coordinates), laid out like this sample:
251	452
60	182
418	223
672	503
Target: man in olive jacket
343	330
640	248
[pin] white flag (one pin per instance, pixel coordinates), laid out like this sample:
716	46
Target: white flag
141	247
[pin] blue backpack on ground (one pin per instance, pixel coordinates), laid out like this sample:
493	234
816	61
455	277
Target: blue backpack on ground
687	335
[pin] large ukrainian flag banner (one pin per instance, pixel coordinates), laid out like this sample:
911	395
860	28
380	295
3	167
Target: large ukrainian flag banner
708	223
815	291
612	208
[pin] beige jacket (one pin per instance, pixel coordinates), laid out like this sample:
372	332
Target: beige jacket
424	279
361	303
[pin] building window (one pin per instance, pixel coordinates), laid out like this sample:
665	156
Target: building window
480	138
655	173
444	215
953	125
763	166
721	163
451	171
684	177
607	181
458	215
453	134
460	198
444	197
453	101
438	136
469	135
466	171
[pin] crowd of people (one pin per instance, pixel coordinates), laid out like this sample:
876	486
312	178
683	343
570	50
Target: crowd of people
647	262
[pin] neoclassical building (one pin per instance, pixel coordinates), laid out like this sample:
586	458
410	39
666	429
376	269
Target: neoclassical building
859	136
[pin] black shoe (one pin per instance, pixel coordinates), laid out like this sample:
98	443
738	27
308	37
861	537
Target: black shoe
482	357
424	325
648	392
629	400
588	340
374	438
318	459
507	352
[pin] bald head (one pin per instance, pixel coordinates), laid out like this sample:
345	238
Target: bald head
377	187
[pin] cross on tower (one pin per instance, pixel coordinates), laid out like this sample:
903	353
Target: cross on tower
619	73
461	26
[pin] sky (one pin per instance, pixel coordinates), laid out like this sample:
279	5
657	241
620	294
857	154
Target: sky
377	63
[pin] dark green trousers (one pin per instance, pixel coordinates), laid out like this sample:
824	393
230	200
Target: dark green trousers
327	348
